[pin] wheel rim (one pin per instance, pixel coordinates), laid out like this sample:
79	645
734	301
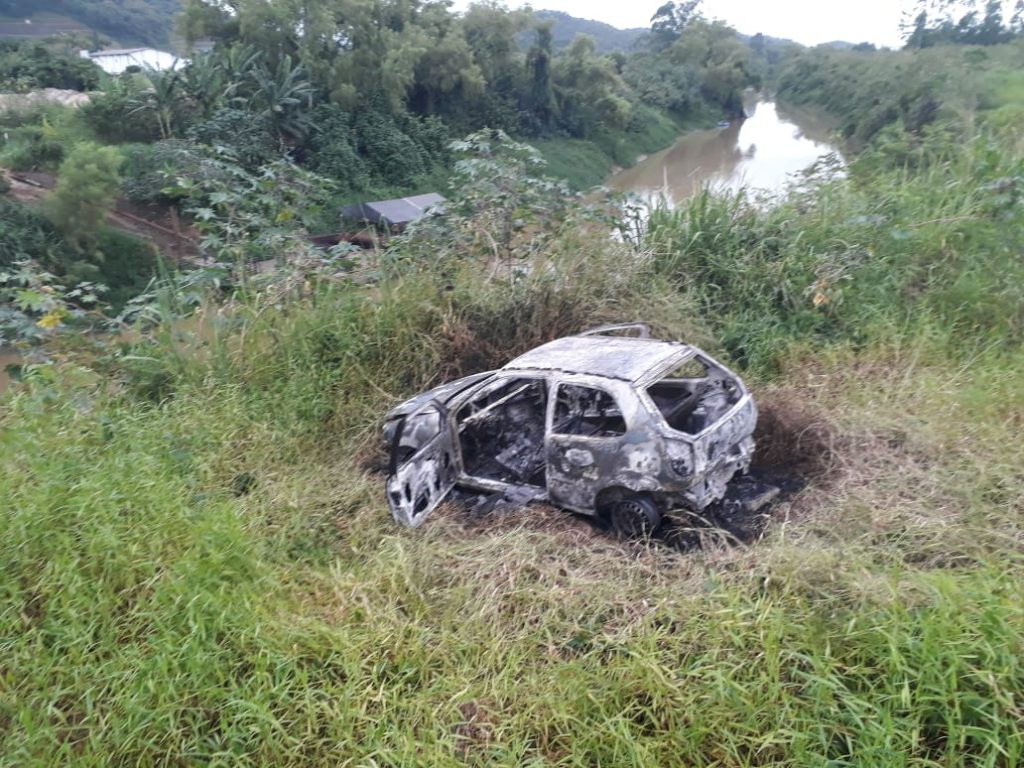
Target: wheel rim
632	518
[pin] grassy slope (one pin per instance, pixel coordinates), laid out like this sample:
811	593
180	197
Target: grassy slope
148	613
588	162
868	91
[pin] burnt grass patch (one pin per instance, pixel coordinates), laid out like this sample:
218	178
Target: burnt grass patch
796	445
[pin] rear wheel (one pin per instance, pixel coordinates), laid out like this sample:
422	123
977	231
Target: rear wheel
635	516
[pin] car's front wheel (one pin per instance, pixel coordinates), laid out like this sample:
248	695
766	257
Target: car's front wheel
635	516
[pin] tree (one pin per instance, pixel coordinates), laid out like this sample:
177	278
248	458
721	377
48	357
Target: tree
590	92
447	77
670	21
87	186
284	96
492	32
500	202
961	22
713	50
162	99
540	98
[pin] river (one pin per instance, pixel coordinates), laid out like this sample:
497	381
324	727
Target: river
759	152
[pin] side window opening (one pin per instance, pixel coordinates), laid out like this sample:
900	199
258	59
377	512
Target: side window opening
587	411
418	430
695	395
501	432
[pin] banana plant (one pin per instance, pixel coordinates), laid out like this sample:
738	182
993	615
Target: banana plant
162	98
285	96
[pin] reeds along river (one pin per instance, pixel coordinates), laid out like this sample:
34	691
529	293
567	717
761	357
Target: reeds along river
759	152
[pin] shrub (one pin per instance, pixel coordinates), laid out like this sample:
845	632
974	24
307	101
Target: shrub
88	185
333	149
26	235
114	116
248	136
28	66
31	149
147	166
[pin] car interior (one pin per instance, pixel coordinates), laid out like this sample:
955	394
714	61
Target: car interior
501	432
588	412
694	396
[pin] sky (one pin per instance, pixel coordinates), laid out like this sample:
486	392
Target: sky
807	21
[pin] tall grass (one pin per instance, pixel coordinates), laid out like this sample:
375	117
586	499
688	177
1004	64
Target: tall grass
894	253
199	567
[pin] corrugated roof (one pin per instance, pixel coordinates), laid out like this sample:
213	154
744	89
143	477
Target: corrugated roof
393	212
615	357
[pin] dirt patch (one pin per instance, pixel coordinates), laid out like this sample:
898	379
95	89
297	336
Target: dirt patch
475	730
794	439
20	102
160	225
29	187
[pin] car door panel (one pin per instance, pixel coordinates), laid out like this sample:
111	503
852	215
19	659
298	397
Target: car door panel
422	470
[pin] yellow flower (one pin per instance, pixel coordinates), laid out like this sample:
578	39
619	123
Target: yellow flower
49	321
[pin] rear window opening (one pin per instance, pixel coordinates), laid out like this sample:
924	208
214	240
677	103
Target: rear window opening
695	395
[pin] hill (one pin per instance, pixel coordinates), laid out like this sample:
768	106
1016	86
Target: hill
565	27
128	22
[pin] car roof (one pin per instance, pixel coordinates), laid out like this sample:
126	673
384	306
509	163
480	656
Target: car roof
613	357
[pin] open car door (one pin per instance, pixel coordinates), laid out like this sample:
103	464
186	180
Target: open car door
422	468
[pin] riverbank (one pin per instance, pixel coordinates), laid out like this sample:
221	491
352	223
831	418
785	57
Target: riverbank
585	163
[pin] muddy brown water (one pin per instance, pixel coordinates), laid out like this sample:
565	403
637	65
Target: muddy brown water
761	152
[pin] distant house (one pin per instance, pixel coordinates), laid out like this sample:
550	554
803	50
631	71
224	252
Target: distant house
117	60
392	214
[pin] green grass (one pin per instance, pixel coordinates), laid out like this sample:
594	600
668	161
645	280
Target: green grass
150	614
153	613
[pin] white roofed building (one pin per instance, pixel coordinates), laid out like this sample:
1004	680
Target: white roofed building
117	60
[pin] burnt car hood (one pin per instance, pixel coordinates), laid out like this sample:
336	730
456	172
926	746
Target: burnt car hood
441	394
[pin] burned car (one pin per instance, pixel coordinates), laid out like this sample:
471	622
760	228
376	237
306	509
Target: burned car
603	423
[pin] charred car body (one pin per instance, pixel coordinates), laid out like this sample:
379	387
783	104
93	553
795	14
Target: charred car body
600	423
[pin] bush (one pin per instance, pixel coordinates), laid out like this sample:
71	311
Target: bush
87	187
32	148
146	168
115	117
124	263
249	137
29	66
334	149
26	234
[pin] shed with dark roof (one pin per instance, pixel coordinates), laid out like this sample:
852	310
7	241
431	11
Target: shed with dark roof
392	214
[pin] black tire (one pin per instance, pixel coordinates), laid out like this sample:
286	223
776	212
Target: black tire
635	517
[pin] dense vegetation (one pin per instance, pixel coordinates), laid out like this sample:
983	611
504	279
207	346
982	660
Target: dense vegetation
54	63
199	566
908	91
979	22
129	22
